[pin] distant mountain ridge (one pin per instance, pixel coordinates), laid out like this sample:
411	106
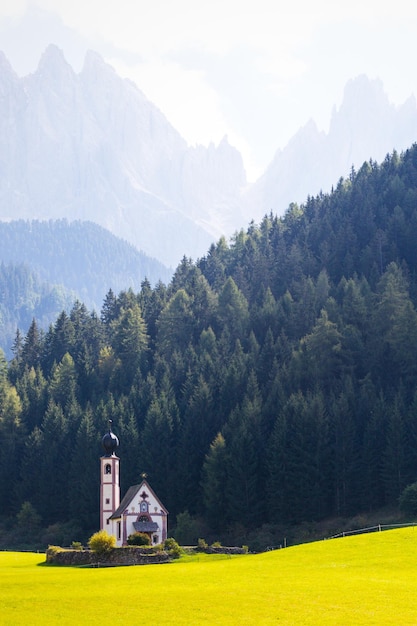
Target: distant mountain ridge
91	147
83	257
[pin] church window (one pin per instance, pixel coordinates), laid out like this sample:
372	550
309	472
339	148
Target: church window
108	468
119	530
107	500
144	507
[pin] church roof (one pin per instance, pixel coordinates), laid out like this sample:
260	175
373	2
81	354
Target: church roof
131	493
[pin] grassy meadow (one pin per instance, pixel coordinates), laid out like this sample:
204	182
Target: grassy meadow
365	579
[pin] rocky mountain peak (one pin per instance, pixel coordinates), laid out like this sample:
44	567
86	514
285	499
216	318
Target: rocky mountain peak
5	67
53	64
91	146
365	126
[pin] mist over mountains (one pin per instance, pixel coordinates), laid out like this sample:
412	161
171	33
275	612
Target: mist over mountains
366	126
91	147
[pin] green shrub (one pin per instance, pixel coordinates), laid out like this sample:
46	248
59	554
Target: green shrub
76	545
28	518
62	533
157	547
187	529
172	547
101	542
202	544
216	544
139	539
52	550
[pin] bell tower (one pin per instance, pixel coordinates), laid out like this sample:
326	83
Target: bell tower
109	479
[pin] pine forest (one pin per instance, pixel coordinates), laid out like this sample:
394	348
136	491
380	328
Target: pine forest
270	383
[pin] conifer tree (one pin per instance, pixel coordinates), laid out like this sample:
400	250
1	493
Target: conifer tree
83	497
11	433
214	485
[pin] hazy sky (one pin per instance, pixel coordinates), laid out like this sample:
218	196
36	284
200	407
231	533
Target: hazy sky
254	70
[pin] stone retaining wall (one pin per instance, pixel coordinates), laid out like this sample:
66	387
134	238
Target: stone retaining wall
114	557
223	550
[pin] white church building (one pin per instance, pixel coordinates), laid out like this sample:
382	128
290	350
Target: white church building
139	511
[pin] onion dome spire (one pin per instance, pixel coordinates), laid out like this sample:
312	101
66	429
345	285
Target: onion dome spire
110	442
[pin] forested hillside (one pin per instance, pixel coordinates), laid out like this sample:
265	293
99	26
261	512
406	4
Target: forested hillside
81	256
23	297
272	382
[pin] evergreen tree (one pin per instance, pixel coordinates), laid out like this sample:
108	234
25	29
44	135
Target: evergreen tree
233	310
214	485
302	464
345	457
62	339
175	324
197	432
83	494
318	361
394	329
63	385
277	474
130	341
11	433
394	460
54	462
32	347
110	309
243	497
157	449
32	389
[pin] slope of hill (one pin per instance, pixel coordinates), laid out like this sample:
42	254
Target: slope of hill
46	266
366	580
81	256
24	296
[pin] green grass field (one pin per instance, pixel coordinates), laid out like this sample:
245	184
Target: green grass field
367	579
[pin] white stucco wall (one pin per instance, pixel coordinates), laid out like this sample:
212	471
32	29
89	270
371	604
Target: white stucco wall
133	511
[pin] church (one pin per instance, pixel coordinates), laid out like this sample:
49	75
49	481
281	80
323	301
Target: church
140	509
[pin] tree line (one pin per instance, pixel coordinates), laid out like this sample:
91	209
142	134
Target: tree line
272	381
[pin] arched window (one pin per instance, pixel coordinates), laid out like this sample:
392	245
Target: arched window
107	469
143	518
144	507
